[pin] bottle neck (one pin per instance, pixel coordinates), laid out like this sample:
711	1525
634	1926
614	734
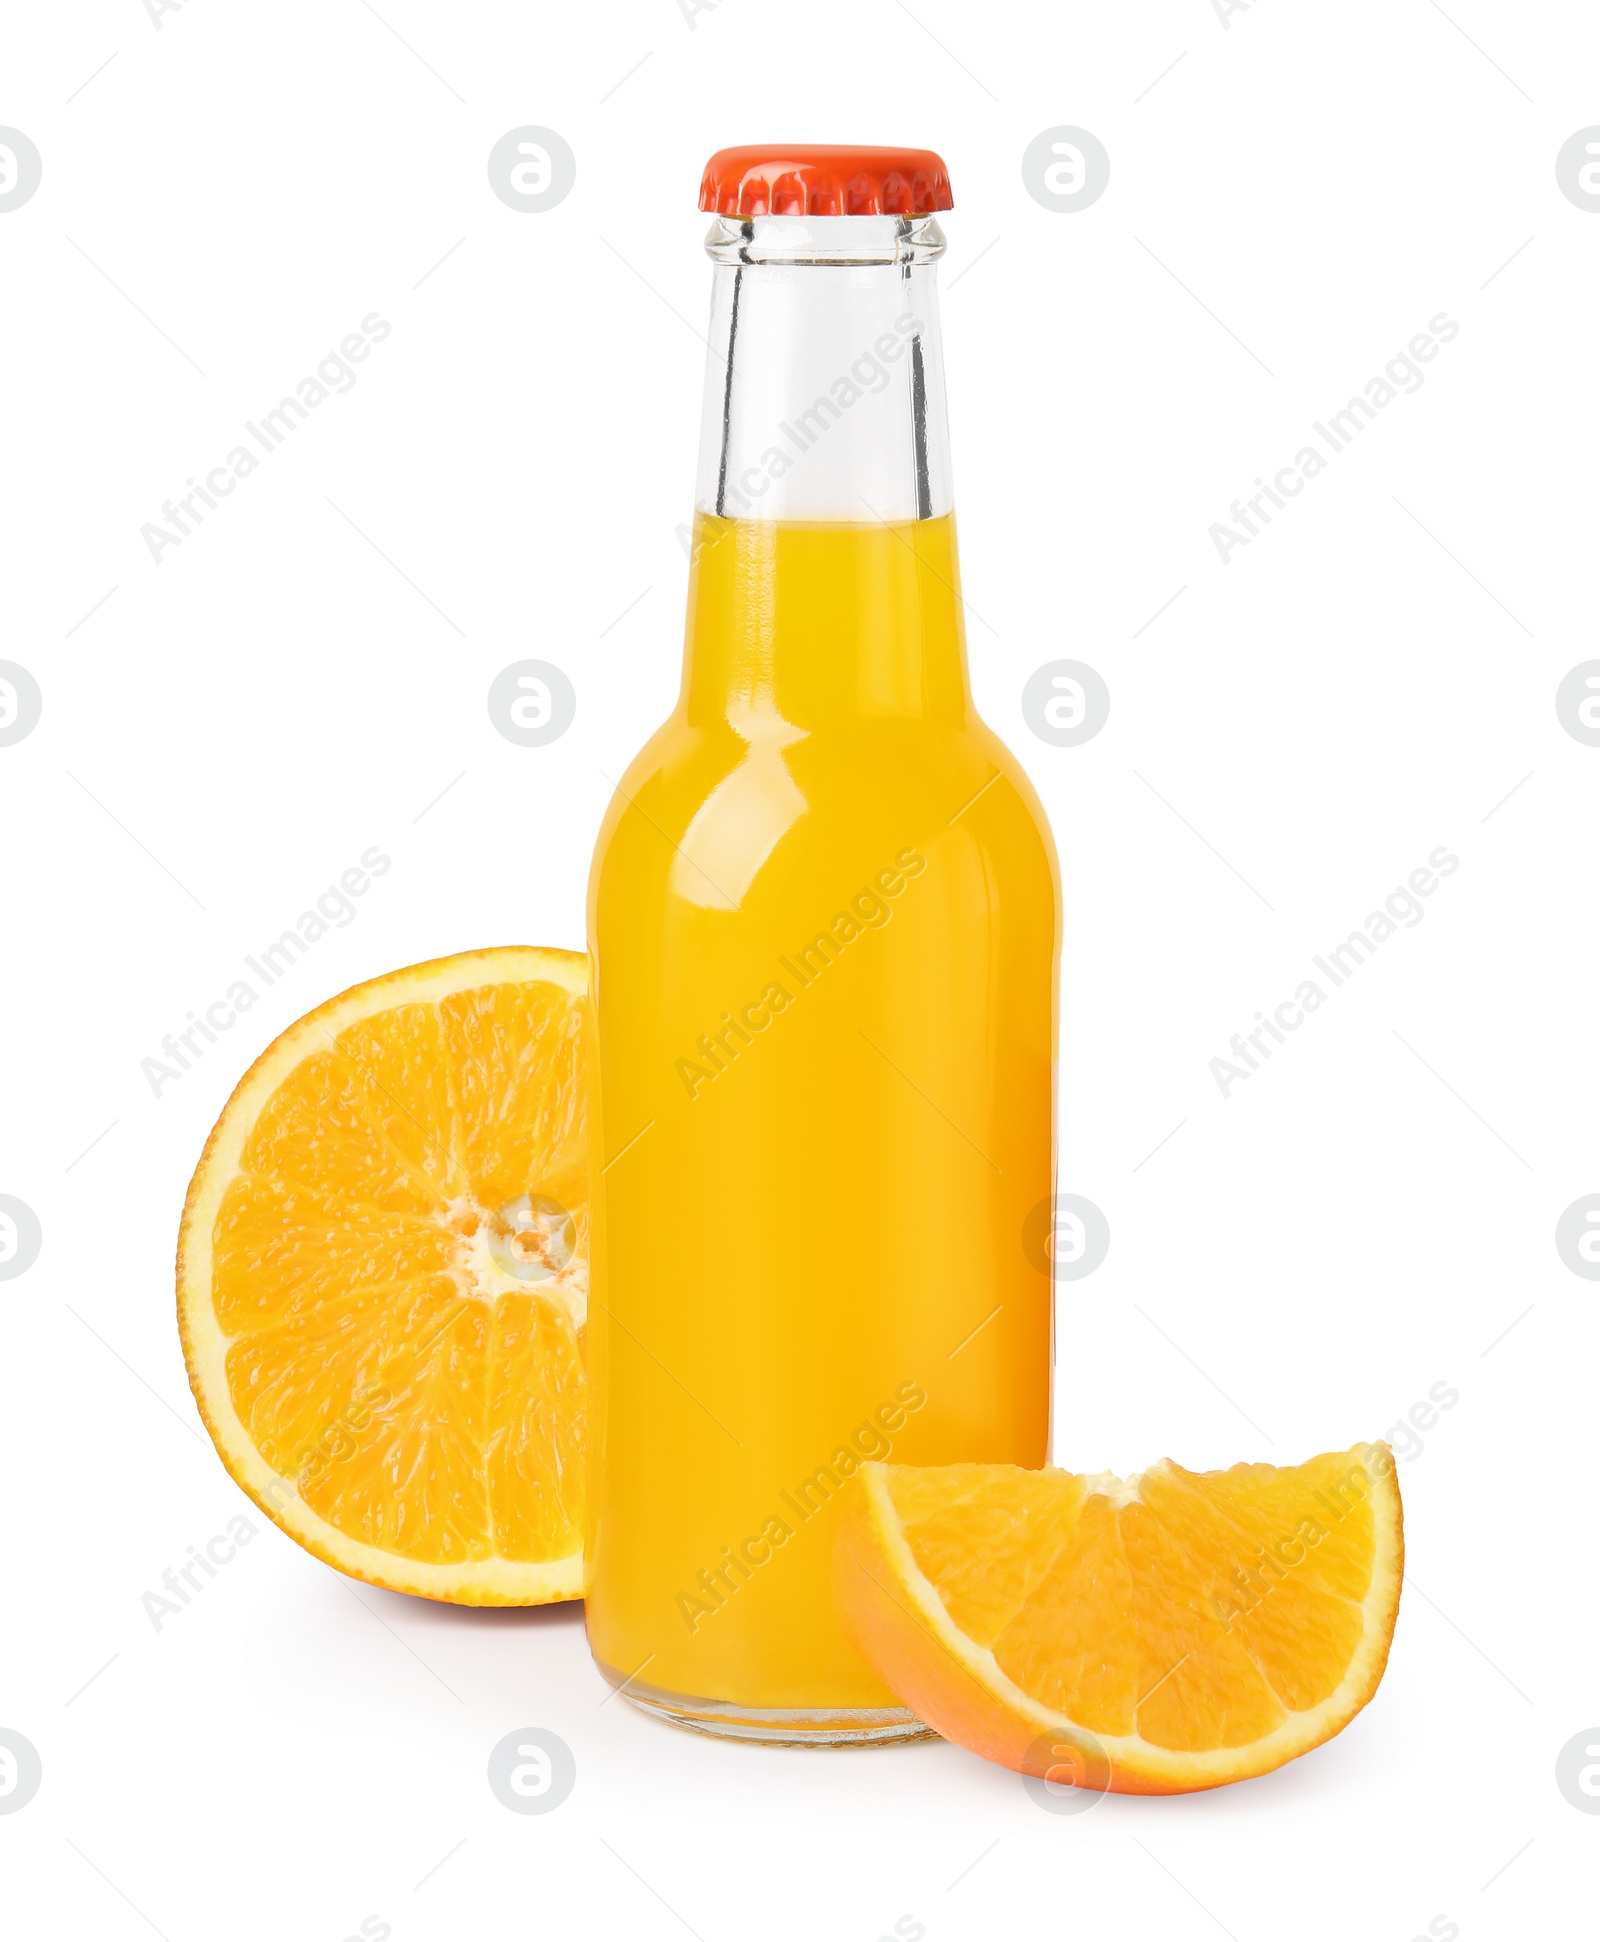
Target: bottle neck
824	394
824	586
796	625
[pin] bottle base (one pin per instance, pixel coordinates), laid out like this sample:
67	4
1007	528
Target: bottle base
775	1726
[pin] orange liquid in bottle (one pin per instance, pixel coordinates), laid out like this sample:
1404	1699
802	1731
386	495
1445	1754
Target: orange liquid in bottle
824	932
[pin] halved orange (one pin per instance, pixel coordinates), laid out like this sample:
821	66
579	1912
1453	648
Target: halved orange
383	1274
1159	1634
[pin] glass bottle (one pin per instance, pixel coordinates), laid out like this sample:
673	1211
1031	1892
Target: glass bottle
824	930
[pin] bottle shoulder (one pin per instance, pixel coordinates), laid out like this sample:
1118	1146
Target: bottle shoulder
683	763
710	809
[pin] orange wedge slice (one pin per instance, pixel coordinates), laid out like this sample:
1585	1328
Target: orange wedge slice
383	1274
1157	1635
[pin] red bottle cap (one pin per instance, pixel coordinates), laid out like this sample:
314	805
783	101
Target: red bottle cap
812	180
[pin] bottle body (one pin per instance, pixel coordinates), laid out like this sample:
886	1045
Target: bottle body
824	928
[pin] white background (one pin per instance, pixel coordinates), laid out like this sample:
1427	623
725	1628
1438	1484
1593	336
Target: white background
226	732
